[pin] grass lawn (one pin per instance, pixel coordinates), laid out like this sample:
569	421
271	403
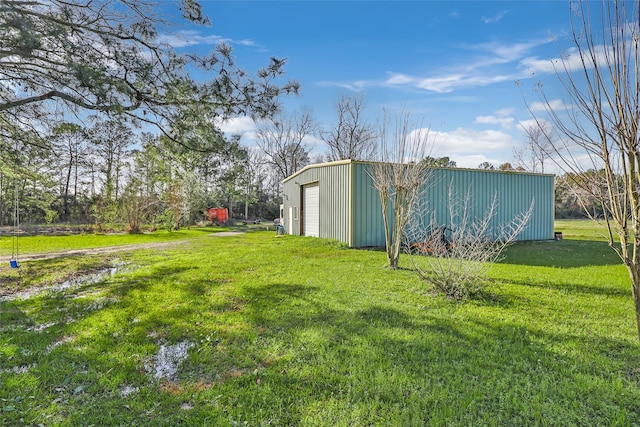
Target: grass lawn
258	329
43	244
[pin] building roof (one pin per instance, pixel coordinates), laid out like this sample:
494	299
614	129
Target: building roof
349	161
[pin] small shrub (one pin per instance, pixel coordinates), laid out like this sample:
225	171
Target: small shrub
456	258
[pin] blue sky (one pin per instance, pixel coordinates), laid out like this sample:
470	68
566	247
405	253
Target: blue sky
452	64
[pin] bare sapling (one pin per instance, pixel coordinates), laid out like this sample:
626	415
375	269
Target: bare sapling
454	256
400	176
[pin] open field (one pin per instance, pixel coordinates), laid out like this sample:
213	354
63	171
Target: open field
259	329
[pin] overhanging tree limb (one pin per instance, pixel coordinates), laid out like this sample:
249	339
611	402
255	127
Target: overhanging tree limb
106	56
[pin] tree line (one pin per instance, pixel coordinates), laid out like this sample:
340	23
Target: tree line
112	176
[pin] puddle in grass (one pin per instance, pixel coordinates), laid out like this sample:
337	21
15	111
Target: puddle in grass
128	390
167	361
41	327
76	282
18	369
64	340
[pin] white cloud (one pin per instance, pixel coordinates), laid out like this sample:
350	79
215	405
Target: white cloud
528	124
493	19
451	82
554	104
313	141
192	38
442	84
504	122
505	112
399	79
238	125
248	131
532	65
506	52
474	160
569	61
503	117
354	86
480	70
470	141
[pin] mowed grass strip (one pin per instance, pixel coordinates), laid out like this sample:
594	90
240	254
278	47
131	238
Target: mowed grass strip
301	331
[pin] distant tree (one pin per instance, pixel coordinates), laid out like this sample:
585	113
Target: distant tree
112	141
35	178
399	179
152	166
537	149
580	195
600	131
506	167
439	162
232	179
486	166
253	180
184	198
68	140
135	207
26	168
352	137
282	139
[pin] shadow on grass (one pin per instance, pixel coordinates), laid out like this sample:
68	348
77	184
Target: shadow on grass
571	288
561	254
11	314
140	282
381	355
344	362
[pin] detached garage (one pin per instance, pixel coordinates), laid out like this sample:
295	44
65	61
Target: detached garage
337	200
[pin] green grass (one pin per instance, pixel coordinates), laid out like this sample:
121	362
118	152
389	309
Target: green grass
300	331
43	244
581	229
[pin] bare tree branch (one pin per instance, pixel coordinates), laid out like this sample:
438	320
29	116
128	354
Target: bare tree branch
601	123
282	139
351	138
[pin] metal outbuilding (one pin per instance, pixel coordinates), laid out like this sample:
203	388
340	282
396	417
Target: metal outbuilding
337	200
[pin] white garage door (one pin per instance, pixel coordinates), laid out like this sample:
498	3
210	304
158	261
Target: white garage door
311	220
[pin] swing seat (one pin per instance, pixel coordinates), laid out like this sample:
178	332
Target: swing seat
14	263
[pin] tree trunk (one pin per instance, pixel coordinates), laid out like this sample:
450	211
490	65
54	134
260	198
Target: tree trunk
2	205
75	181
65	206
634	275
246	208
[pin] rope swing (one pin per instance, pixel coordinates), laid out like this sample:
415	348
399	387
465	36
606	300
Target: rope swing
16	226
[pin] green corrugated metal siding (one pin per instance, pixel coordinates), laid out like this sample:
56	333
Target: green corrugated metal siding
334	186
514	193
368	227
291	199
350	206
